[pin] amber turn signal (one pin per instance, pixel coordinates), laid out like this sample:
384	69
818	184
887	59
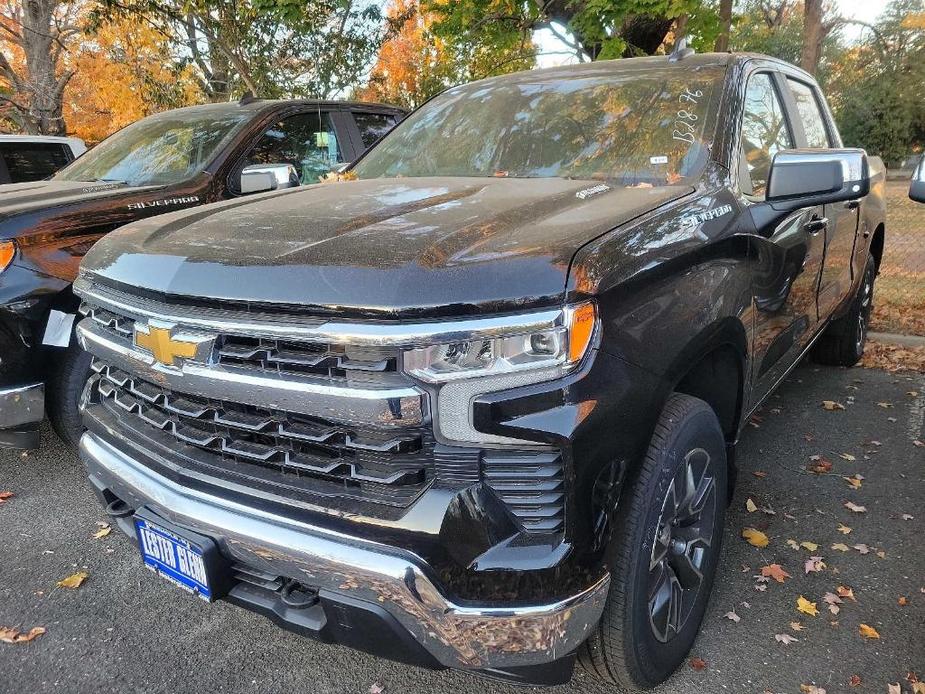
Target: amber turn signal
7	250
581	321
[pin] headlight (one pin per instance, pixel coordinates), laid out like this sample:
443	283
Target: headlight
498	354
7	251
560	344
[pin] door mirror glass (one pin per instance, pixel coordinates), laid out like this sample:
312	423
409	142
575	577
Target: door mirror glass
809	177
260	178
917	187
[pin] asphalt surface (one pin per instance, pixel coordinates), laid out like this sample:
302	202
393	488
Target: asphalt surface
125	630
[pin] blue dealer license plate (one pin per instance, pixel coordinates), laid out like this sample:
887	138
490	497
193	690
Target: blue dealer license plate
173	557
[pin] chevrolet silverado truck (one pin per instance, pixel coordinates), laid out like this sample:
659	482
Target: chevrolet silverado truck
475	406
170	161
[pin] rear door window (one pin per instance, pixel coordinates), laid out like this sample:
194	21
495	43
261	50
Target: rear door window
764	130
810	114
33	161
373	126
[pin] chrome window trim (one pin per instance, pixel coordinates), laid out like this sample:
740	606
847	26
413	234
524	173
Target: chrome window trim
364	334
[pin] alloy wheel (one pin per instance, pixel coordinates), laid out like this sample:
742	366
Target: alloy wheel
680	549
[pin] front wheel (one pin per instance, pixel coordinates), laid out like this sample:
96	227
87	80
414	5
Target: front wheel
663	557
63	391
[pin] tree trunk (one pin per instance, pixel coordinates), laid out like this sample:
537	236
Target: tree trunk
45	91
725	24
813	35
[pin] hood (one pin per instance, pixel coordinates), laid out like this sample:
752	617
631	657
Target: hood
380	246
19	198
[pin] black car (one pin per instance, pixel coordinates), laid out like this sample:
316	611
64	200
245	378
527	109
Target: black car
478	407
166	162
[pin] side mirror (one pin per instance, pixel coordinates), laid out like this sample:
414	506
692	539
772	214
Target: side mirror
917	187
259	178
808	177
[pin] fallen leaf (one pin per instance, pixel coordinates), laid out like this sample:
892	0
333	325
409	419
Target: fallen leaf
811	689
755	537
732	616
759	474
918	688
807	607
785	639
811	546
819	464
761	587
862	548
74	580
840	546
814	564
376	688
855	681
832	405
13	635
907	516
854	481
847	456
885	405
854	507
894	689
102	532
751	506
903	601
843	529
796	626
698	664
868	632
918	444
794	544
5	495
775	571
845	592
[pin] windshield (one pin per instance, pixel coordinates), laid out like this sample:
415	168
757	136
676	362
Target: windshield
164	149
630	126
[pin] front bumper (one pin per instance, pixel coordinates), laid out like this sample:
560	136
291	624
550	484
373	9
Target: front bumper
22	409
518	641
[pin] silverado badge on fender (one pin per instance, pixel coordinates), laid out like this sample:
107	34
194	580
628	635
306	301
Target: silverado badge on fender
166	349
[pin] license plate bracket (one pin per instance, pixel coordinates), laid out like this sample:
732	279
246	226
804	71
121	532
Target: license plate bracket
187	559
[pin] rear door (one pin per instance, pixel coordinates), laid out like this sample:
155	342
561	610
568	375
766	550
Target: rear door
842	218
33	161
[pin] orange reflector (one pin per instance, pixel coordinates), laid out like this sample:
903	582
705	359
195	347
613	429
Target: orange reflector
581	329
7	249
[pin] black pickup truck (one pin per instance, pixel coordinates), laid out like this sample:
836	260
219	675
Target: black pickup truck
477	405
170	161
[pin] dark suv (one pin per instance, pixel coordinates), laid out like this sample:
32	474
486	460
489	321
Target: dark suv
477	408
166	162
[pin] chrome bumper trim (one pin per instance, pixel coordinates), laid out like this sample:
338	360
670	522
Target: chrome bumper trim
364	334
22	405
400	406
457	635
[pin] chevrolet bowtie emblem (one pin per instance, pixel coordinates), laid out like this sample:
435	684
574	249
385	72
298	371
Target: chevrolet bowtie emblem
167	348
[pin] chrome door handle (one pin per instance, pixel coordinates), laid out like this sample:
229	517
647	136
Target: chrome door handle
814	226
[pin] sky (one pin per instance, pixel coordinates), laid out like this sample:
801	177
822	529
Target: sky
554	52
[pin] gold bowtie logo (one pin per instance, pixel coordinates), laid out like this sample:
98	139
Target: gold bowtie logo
164	347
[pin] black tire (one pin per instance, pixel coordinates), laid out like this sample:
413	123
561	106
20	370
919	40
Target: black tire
630	647
842	343
63	390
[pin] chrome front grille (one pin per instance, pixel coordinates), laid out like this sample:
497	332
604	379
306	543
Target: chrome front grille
380	466
332	361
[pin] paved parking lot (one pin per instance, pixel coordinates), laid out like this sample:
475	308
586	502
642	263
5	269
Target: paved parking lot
124	630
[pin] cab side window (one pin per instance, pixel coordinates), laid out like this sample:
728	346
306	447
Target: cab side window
373	126
305	140
764	131
810	114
